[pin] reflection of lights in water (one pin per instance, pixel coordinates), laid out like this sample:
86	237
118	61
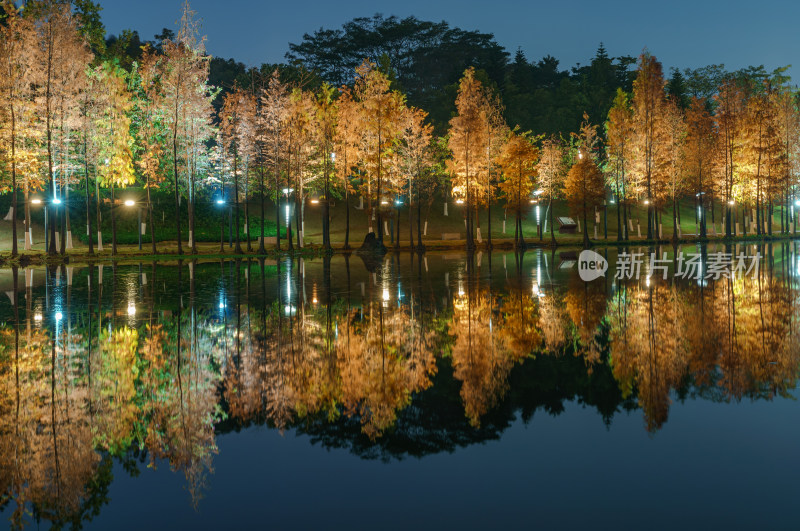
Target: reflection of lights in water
37	317
536	291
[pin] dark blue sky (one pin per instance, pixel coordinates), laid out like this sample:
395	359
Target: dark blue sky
680	33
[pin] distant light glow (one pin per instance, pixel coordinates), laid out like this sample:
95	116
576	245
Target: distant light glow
731	202
386	295
398	202
646	201
287	191
37	317
129	202
131	309
315	201
384	202
459	201
59	316
56	201
36	201
220	202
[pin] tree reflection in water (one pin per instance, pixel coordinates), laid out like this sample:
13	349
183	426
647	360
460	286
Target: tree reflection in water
404	358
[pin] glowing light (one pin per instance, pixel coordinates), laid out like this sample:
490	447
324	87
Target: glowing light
220	202
288	191
580	155
538	192
333	156
129	202
314	300
131	309
398	202
386	295
646	201
314	201
59	316
797	203
459	201
36	201
37	317
731	202
56	201
647	281
384	202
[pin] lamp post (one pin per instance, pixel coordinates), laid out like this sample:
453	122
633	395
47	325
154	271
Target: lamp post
220	202
55	201
129	203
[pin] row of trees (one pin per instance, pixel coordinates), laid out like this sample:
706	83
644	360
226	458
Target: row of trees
72	119
78	115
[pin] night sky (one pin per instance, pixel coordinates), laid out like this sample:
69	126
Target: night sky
679	32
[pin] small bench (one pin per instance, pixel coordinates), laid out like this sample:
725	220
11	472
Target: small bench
451	236
567	225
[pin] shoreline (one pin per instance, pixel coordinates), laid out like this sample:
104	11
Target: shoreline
131	252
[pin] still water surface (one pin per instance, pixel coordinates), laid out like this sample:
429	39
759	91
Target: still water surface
500	390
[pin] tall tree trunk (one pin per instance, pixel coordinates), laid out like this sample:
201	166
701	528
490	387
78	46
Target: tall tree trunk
420	246
238	248
347	217
175	175
150	216
13	189
261	249
113	222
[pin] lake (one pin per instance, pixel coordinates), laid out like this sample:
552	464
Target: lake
440	391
